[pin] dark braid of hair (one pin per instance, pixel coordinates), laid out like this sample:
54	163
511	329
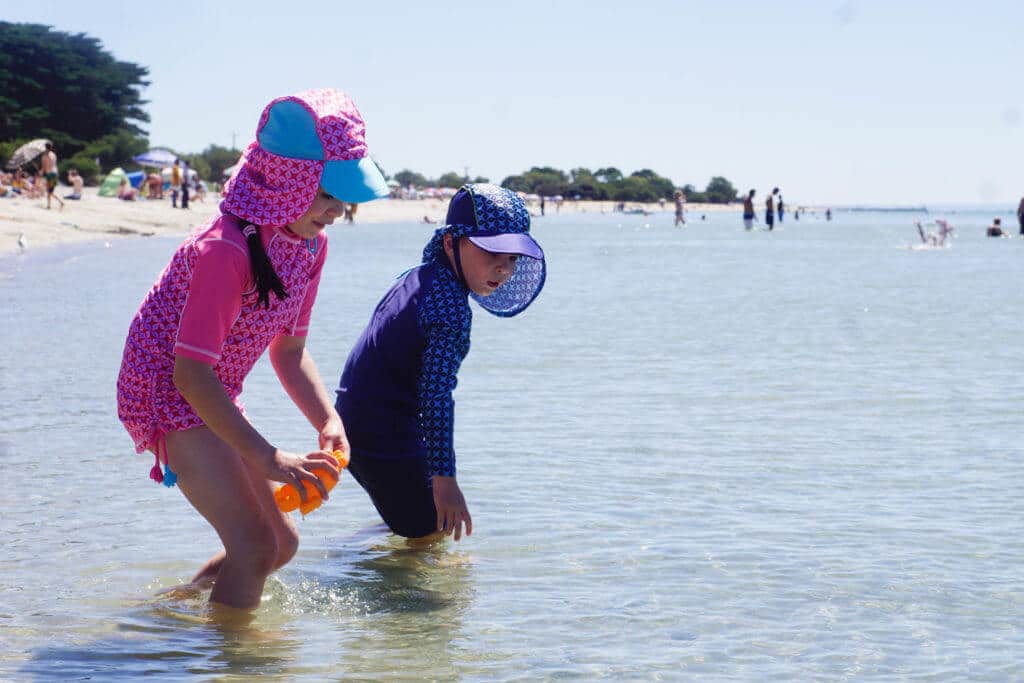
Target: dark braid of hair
262	269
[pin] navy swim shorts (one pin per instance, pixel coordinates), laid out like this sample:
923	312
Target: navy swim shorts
401	491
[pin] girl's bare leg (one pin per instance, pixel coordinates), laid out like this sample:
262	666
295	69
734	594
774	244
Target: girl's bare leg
221	487
285	532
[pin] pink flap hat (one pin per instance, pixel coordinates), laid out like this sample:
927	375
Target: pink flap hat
305	141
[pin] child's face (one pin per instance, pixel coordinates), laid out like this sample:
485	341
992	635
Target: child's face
484	271
320	214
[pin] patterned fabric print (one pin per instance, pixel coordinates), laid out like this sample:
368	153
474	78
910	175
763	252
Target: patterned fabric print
272	190
499	210
149	404
340	126
518	291
446	319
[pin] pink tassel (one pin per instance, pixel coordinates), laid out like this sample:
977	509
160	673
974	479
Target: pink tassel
156	474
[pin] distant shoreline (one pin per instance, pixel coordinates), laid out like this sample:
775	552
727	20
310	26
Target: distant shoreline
100	218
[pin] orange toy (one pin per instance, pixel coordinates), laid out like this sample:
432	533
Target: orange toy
287	496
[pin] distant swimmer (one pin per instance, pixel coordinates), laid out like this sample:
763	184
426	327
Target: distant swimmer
748	211
769	210
996	229
828	214
934	239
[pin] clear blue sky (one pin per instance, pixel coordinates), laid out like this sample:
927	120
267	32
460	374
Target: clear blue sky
835	102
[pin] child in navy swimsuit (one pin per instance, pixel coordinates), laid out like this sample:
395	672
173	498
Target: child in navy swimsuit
395	394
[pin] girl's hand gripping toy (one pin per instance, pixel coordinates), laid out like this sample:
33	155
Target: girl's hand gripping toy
287	496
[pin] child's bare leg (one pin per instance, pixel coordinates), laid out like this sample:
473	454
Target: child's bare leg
285	532
208	574
218	484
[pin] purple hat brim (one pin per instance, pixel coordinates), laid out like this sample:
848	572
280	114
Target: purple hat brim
508	243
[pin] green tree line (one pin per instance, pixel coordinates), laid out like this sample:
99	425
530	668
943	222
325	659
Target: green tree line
604	184
609	183
67	88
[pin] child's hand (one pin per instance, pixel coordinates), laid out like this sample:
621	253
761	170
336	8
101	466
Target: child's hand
333	437
291	468
452	512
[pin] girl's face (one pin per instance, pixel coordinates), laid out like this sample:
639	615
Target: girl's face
320	214
484	271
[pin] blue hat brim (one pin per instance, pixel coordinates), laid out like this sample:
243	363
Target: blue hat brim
508	243
355	181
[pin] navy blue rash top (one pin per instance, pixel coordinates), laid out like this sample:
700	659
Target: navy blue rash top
395	394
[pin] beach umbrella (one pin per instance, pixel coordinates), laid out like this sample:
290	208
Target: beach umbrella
230	170
155	157
27	153
393	183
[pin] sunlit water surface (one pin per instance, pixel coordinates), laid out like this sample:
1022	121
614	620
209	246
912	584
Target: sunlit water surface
702	453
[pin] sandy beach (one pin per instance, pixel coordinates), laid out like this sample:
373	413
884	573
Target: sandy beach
95	217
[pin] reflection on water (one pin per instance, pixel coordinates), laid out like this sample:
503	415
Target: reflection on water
398	610
381	609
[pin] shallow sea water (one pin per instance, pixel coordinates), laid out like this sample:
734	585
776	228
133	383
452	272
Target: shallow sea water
701	454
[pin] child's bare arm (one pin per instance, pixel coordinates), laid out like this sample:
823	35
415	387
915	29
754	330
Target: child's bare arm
201	387
301	379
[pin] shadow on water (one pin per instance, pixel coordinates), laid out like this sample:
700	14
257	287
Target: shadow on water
168	638
398	610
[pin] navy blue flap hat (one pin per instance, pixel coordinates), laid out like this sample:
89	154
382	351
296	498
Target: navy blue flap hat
496	220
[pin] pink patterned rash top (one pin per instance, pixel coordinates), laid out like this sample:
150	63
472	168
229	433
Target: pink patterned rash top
203	306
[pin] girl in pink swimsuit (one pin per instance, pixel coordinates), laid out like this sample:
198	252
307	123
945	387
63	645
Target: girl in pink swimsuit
237	286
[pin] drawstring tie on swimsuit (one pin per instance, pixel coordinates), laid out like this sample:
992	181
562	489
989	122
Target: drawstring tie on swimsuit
167	477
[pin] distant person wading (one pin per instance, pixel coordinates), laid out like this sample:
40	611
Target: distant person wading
748	211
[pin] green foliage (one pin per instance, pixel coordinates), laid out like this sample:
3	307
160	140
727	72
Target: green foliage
720	191
692	195
405	178
116	149
656	185
66	88
608	175
545	181
7	149
633	189
216	159
644	185
451	179
199	164
86	166
584	185
516	183
481	179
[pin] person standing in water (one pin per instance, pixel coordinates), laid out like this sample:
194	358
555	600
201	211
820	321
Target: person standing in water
1020	216
748	211
240	286
769	211
680	200
778	203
